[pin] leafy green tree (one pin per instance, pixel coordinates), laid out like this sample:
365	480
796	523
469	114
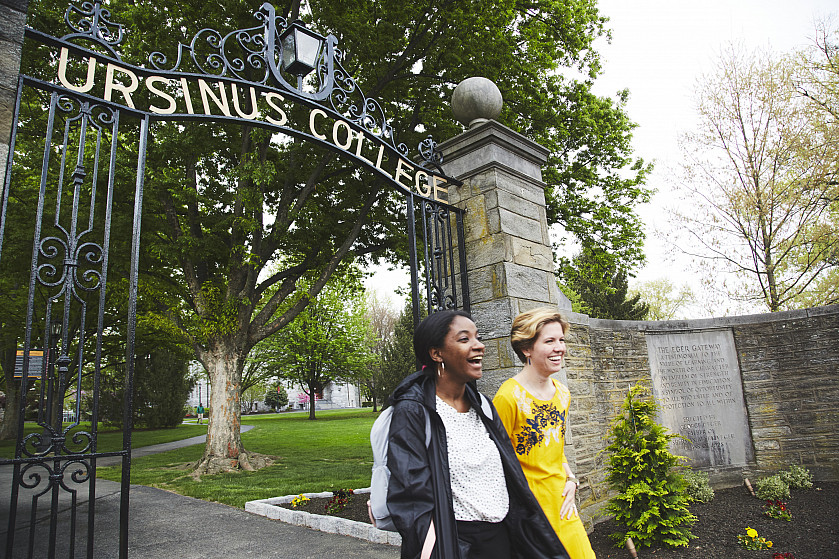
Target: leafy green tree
277	398
161	387
662	298
603	289
578	305
327	341
224	203
398	357
651	505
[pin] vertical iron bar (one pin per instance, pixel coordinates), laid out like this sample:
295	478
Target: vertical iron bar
106	241
464	279
132	319
427	257
450	283
412	257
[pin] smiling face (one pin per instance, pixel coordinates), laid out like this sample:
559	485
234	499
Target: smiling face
462	351
548	350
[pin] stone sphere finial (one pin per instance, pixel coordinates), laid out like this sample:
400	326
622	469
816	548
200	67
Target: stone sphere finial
476	100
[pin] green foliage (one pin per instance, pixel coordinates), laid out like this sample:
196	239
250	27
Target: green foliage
163	385
651	505
277	398
578	305
327	341
161	388
698	486
602	287
772	488
399	360
797	477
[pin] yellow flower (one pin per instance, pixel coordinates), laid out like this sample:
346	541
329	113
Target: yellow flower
751	532
768	543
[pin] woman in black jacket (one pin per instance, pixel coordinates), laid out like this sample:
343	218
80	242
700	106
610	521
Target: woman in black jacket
463	496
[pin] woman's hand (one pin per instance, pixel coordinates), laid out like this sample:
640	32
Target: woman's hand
568	510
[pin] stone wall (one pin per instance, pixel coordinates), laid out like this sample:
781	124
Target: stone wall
12	20
789	363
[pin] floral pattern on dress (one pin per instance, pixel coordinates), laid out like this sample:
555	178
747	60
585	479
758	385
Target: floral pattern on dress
546	425
522	401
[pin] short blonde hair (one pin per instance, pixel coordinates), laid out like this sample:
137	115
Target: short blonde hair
528	325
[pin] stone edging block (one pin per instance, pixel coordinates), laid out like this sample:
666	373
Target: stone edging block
325	523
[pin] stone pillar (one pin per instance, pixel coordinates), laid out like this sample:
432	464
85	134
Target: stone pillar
12	20
508	249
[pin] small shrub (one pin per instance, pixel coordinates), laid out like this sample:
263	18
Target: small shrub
797	477
651	506
698	486
772	488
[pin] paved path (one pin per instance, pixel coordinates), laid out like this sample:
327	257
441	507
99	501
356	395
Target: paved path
165	525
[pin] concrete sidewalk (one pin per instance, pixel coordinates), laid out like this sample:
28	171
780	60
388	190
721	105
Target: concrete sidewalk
164	525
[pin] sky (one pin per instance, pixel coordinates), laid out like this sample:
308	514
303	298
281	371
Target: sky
659	49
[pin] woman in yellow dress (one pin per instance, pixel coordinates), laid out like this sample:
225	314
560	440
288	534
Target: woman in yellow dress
534	410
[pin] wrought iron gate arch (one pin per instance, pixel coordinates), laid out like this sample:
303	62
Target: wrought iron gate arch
76	268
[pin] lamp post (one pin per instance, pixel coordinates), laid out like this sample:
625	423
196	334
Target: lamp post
301	48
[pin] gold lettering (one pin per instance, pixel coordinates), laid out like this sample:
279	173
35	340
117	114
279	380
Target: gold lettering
62	73
401	173
379	158
254	109
187	97
127	90
339	124
422	191
173	105
312	123
269	97
360	142
438	189
221	102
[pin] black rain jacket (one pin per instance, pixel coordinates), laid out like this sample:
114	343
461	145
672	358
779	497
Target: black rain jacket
419	487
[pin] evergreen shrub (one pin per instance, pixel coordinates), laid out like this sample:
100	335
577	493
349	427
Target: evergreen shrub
651	504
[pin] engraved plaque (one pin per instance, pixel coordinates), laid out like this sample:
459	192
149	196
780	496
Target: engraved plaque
697	383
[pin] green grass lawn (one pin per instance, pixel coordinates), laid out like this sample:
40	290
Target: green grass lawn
330	453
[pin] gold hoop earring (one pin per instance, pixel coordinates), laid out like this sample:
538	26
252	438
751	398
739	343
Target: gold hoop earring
441	370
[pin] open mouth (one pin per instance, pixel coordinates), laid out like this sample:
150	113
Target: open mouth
476	360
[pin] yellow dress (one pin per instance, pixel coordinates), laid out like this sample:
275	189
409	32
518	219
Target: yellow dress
537	431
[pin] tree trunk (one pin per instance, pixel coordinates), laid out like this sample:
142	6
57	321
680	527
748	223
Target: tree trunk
312	403
224	451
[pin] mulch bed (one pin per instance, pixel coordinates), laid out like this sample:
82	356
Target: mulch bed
813	532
